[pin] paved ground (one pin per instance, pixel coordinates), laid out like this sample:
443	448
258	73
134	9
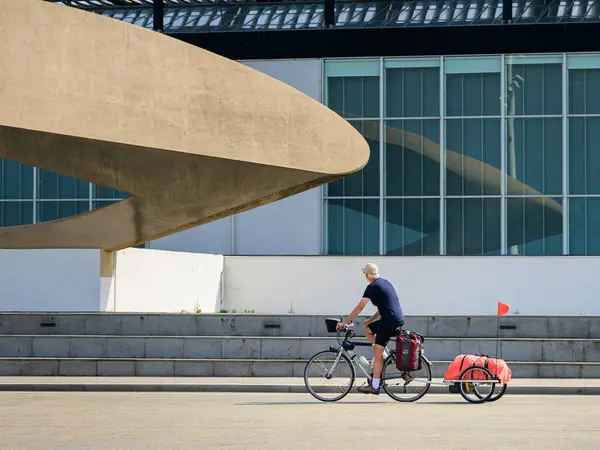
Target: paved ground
60	420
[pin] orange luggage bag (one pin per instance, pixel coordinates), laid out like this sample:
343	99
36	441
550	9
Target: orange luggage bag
497	367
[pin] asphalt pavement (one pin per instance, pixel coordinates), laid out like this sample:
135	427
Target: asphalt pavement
150	420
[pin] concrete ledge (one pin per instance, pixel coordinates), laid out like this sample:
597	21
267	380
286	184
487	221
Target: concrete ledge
132	324
258	385
278	348
248	368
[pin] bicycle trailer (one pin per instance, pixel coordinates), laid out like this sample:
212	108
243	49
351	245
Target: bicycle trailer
498	369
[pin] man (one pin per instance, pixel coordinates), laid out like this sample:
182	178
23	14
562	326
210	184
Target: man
383	295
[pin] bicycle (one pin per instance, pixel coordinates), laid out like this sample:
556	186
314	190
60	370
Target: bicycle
344	360
473	380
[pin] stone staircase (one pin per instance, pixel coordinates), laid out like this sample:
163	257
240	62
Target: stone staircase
115	344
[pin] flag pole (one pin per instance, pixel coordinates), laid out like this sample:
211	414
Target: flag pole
502	309
497	345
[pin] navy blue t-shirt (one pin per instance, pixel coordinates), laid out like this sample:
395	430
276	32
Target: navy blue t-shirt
383	295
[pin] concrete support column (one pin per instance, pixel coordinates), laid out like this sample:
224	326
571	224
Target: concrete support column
108	266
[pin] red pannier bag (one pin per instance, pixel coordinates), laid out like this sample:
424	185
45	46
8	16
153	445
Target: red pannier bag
409	346
497	367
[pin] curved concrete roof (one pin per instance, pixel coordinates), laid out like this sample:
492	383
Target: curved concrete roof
193	136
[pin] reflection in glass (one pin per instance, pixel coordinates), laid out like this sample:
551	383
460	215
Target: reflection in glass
473	94
412	226
13	214
473	157
16	180
584	226
52	185
584	91
534	226
473	226
352	227
47	211
353	97
106	193
412	92
366	181
584	155
534	156
412	155
533	89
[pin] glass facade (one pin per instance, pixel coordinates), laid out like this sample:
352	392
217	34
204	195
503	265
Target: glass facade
31	195
486	155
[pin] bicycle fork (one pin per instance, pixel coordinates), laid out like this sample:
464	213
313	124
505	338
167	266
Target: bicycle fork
339	351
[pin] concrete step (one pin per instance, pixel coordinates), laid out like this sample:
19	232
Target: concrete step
139	324
518	386
258	347
128	367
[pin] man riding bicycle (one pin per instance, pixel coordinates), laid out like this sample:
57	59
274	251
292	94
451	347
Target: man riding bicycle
383	295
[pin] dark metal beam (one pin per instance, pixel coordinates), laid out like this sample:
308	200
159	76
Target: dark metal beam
507	9
159	16
418	41
329	12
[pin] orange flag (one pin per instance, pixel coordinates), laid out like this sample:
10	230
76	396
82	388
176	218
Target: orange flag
502	309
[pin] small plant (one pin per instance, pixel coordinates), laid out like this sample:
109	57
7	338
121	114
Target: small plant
248	311
184	311
223	311
197	310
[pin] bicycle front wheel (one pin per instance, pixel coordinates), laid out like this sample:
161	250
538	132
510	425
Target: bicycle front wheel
405	386
326	382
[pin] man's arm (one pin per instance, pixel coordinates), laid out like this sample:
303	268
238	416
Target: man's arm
356	311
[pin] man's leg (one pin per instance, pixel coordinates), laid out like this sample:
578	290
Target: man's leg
369	334
381	339
377	365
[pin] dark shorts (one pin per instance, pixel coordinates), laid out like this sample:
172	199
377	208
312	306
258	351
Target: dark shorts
384	330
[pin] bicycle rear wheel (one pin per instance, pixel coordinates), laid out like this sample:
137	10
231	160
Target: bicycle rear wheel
499	391
326	384
405	386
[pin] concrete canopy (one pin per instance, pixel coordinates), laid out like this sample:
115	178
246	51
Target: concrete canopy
193	136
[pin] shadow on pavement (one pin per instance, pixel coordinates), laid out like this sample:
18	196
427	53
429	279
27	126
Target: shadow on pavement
305	403
342	402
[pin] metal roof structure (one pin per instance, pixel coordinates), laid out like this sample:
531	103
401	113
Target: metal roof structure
190	16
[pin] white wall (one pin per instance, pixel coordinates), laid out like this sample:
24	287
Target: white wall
163	281
49	280
214	237
291	226
426	285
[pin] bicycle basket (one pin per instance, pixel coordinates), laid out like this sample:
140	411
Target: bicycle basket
331	325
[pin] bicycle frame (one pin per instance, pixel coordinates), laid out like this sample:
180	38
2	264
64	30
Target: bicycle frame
351	356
